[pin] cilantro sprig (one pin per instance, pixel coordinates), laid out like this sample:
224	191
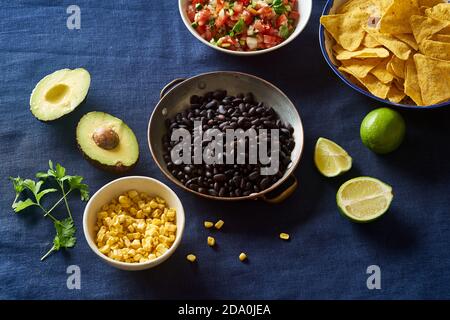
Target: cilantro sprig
65	228
279	7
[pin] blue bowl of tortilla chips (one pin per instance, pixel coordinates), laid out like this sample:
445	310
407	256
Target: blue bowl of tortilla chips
369	47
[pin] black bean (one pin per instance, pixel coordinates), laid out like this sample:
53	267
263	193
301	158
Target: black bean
219	94
260	110
220	177
212	104
222	192
254	175
222	109
213	192
264	183
249	98
237	101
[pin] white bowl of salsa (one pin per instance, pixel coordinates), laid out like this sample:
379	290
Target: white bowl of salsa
245	27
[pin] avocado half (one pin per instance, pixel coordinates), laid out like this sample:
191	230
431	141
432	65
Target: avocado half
59	93
107	142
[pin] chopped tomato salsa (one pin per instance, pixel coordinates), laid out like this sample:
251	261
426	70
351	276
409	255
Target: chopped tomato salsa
244	25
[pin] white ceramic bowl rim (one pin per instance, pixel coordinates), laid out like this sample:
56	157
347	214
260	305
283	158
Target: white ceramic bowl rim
325	11
163	257
302	23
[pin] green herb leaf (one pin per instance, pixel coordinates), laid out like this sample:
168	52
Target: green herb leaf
60	171
43	193
42	175
65	234
284	32
278	7
75	184
18	184
238	27
21	205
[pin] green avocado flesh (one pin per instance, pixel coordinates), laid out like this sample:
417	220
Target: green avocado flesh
107	142
59	93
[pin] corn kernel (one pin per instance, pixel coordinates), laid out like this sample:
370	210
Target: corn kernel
242	256
208	224
219	224
160	200
153	204
191	257
132	194
156	222
156	213
171	227
211	241
284	236
136	244
105	249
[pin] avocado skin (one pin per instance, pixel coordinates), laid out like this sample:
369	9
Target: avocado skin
117	169
64	115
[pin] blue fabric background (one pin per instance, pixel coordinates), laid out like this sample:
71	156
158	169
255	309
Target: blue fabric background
132	49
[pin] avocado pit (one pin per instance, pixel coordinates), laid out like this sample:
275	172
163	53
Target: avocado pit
106	138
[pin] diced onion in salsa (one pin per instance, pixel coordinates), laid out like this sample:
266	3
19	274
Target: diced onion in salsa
244	25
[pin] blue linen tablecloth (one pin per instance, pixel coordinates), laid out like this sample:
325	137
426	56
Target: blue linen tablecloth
132	49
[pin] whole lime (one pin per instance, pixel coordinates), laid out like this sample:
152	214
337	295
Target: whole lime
383	130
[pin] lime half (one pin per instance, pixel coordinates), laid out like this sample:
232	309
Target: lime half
330	158
364	199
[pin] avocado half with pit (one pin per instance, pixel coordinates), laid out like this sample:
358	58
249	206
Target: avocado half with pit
107	142
59	93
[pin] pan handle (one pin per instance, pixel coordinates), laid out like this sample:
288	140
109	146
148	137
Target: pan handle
169	86
285	193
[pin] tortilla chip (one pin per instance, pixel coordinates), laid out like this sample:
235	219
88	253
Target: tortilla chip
346	29
376	87
360	67
381	72
434	79
435	49
399	84
393	20
409	39
439	12
424	27
395	94
397	66
441	38
412	88
370	42
363	53
429	3
445	31
397	47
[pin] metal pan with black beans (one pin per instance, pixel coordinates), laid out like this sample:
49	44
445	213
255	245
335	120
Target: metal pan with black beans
227	136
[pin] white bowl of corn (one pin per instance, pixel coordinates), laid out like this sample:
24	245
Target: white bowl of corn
134	223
